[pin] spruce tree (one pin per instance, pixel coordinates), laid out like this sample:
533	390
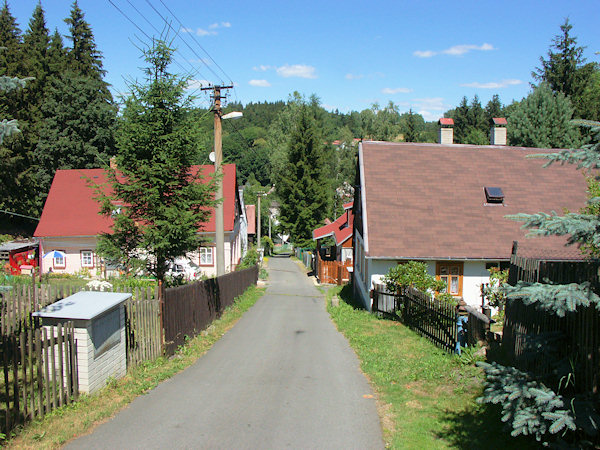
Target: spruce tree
564	59
157	202
542	405
83	56
302	187
79	115
543	120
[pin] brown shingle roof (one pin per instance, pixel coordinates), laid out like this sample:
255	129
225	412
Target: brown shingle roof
428	201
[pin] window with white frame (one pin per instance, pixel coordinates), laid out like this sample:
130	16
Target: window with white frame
206	256
59	260
87	258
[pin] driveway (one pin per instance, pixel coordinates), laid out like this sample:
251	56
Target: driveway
283	377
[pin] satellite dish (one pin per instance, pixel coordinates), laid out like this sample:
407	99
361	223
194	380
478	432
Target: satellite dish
212	156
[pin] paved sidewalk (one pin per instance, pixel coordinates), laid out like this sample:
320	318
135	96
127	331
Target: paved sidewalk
283	377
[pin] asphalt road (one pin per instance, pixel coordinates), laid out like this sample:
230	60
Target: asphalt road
283	377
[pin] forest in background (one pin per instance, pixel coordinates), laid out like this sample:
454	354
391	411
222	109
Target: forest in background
69	119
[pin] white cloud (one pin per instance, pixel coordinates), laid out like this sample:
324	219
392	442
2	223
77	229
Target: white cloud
456	50
351	76
424	53
211	31
296	70
431	108
493	84
203	32
262	68
197	84
396	90
259	83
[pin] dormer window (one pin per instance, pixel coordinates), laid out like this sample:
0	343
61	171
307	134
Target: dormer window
494	195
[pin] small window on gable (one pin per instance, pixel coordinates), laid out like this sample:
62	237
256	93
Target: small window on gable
494	195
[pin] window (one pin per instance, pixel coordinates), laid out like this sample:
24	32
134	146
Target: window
206	256
87	258
60	262
452	274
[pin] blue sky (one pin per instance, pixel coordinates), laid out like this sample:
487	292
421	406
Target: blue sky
423	55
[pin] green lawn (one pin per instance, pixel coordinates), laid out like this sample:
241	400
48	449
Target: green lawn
426	397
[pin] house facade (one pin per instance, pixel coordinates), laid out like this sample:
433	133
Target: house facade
446	205
71	224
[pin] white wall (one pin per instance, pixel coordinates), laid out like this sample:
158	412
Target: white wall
72	247
474	275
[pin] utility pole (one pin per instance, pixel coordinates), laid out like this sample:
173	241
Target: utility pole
219	221
258	227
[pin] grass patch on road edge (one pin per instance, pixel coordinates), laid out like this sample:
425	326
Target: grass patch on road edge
426	397
79	418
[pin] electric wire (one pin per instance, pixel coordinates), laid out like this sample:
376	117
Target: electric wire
183	40
187	73
200	46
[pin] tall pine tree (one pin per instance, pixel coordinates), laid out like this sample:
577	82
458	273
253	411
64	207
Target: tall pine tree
303	186
78	110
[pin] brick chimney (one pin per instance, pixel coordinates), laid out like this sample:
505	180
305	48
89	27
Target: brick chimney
498	131
446	132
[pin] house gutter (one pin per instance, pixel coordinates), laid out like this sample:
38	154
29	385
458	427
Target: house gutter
363	198
432	258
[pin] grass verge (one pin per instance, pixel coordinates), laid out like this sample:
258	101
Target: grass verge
426	397
79	418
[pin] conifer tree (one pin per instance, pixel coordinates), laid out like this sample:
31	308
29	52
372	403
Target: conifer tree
157	202
544	406
543	120
79	114
302	187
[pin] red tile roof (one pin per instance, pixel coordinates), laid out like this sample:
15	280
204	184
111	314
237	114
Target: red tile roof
71	210
446	121
499	121
340	229
251	216
427	200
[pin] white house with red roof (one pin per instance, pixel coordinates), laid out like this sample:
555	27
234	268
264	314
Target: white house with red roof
445	204
71	223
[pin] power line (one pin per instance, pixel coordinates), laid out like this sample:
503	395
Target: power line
184	41
186	72
198	44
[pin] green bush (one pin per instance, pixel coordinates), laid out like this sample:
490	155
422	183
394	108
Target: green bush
267	244
250	259
412	274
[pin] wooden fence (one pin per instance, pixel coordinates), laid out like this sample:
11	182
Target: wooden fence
434	319
578	332
143	329
40	373
332	272
32	386
189	309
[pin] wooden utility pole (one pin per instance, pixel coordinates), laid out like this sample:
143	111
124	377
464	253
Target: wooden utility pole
219	221
258	227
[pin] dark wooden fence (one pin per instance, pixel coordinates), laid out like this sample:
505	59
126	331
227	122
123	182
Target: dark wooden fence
578	333
40	373
143	330
191	308
434	319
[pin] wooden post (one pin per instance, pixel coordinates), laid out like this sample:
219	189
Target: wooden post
161	302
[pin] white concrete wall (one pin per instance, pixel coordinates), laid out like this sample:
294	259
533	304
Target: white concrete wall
475	274
93	372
